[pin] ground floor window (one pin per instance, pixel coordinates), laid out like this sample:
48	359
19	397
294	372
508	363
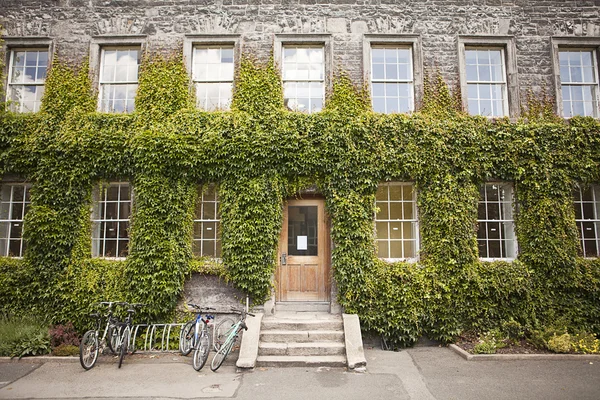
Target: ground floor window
587	207
112	203
396	221
14	203
495	232
207	238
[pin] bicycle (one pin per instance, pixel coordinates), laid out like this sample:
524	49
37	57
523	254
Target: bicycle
125	330
91	343
196	337
230	336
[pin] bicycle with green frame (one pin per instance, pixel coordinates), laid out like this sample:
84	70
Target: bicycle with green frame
226	337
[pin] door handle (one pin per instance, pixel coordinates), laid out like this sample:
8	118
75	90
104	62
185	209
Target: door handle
283	259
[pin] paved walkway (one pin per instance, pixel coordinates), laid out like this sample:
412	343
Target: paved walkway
423	373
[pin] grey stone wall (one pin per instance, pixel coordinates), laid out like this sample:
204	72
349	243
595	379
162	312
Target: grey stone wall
72	23
212	291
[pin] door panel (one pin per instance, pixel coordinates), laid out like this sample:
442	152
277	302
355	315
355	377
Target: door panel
303	272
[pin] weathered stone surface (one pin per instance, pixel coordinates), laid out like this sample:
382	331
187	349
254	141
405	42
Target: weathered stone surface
72	23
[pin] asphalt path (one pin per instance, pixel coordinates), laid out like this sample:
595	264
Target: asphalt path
422	373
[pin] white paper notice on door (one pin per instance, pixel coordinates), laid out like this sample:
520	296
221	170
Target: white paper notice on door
302	242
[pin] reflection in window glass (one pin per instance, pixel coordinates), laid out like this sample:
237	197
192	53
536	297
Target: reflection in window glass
14	204
303	235
396	221
303	78
392	80
495	231
26	79
118	79
486	82
110	220
212	73
579	84
587	210
207	236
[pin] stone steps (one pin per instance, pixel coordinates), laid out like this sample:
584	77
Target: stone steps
302	349
302	339
301	361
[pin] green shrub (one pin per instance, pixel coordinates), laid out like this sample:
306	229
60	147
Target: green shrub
23	336
490	342
560	344
65	350
513	329
585	343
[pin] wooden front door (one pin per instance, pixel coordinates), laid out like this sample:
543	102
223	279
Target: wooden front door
303	272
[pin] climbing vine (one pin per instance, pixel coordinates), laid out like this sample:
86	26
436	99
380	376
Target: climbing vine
259	154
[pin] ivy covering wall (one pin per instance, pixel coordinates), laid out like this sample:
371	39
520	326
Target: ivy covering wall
259	154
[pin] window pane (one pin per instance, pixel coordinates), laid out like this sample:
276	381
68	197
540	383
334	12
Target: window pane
495	231
396	235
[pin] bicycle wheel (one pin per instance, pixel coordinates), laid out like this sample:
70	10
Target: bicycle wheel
221	332
201	351
186	337
88	350
124	341
112	339
222	354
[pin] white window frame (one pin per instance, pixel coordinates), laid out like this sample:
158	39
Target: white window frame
12	85
413	221
97	222
210	41
581	221
307	41
103	85
508	47
396	41
98	43
200	220
11	221
560	44
503	222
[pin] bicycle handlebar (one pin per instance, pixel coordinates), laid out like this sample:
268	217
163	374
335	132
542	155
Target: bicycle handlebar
242	312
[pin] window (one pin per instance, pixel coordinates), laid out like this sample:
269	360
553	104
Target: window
303	77
486	82
118	79
579	82
495	231
207	241
212	73
587	211
396	221
110	220
488	75
26	78
14	203
392	88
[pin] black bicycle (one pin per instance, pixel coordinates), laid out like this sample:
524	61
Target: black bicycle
126	339
92	343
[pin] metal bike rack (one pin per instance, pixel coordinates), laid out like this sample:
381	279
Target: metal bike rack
156	333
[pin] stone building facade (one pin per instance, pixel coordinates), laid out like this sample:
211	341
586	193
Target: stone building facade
528	26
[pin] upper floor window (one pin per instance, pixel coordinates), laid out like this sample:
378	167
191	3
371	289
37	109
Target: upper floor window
212	73
396	221
26	78
118	79
392	84
303	77
110	220
495	232
207	240
579	82
14	203
486	82
587	212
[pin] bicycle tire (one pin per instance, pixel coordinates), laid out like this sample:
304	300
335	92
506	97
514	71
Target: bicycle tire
201	351
88	350
186	338
112	340
222	354
221	331
124	341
